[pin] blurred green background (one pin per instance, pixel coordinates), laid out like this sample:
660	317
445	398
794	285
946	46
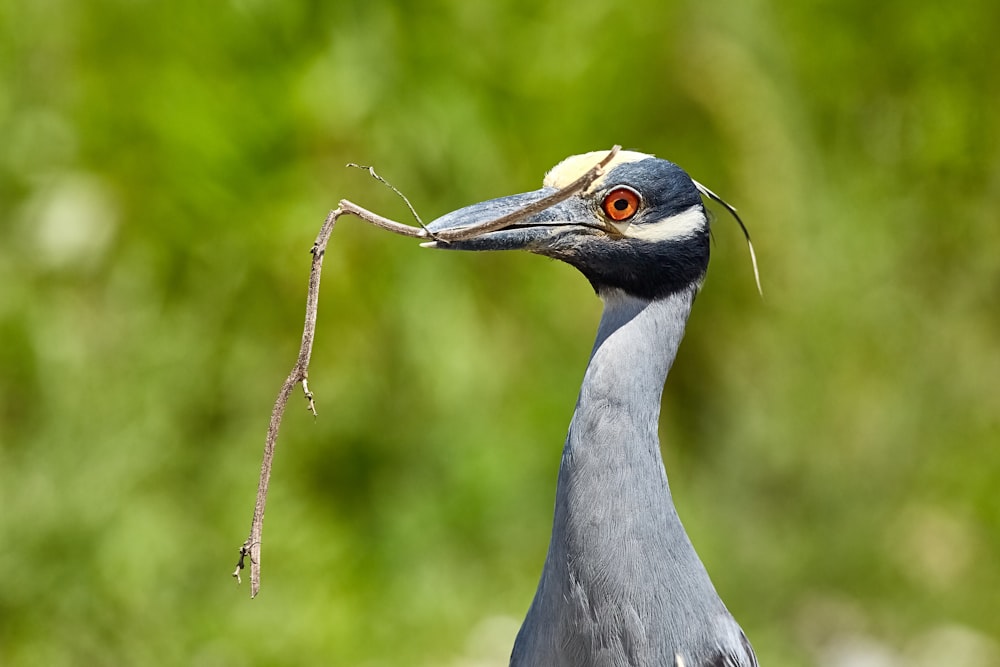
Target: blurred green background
164	168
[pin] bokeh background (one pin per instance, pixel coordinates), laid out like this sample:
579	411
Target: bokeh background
164	168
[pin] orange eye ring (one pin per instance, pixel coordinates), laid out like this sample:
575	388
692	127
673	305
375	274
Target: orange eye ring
621	203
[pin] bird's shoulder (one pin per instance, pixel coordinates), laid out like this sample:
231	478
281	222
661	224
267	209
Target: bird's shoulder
738	654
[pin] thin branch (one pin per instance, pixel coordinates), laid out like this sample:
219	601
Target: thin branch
251	548
299	373
380	222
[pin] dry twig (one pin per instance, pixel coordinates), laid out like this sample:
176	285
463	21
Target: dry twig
251	548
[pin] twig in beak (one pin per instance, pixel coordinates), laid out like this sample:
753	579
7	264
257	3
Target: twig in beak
556	197
251	548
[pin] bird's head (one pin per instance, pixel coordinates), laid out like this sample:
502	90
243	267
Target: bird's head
640	227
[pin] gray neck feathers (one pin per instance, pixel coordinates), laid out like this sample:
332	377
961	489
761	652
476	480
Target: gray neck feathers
621	577
613	498
637	341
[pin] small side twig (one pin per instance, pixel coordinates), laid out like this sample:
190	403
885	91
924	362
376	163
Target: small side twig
406	200
251	547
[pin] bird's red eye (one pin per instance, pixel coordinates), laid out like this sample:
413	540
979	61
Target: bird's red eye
621	203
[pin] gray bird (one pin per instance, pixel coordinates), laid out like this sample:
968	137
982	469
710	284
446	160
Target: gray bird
622	584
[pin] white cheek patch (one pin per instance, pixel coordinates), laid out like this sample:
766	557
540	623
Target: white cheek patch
684	224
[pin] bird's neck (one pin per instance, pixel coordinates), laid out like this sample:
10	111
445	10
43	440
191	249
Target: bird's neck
637	341
621	577
617	414
612	493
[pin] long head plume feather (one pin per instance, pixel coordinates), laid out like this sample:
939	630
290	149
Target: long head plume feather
732	211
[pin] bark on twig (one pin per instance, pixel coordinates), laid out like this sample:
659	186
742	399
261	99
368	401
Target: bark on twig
251	548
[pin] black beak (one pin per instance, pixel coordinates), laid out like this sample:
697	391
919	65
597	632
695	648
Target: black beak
535	233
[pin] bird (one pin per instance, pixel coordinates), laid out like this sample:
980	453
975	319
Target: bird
621	584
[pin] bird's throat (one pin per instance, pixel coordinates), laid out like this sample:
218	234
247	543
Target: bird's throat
612	499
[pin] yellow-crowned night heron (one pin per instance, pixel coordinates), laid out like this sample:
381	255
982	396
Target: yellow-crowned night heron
622	584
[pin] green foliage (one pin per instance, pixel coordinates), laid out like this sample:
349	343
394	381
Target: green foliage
165	167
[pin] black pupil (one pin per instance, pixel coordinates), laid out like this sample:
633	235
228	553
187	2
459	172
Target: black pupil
621	204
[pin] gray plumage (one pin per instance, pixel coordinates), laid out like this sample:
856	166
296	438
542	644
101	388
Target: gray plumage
622	585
